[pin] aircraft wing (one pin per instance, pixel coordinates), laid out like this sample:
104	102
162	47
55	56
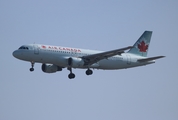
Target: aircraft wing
90	59
150	59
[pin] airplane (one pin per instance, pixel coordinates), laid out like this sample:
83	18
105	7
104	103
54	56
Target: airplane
56	58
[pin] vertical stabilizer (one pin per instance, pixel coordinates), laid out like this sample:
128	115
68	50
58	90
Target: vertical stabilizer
141	46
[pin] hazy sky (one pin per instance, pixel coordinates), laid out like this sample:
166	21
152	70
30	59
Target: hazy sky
143	93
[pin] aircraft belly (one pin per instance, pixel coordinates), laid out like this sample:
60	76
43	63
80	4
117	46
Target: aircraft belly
117	64
110	64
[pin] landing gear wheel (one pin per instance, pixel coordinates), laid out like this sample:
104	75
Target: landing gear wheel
71	75
31	69
89	72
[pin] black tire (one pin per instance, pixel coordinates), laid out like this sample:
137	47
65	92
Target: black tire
89	72
71	76
31	69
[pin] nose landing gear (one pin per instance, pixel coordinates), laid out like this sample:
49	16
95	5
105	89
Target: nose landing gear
89	72
32	64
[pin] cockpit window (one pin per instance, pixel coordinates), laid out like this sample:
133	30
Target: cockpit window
23	48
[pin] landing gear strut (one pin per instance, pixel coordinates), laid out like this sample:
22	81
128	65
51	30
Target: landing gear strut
32	64
71	75
89	72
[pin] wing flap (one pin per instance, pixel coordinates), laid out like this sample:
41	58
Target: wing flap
150	59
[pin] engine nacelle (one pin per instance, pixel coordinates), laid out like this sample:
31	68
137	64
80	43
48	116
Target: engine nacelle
50	68
75	62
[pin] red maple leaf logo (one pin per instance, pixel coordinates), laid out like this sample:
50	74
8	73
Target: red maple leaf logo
142	46
43	46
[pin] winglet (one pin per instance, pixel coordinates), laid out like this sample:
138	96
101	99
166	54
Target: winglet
150	59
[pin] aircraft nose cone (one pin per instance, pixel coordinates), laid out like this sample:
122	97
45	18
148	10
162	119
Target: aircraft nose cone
16	54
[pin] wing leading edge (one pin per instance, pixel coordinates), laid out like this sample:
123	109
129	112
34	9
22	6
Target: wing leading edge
91	59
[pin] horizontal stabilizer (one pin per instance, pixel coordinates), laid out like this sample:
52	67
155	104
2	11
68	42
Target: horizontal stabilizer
150	59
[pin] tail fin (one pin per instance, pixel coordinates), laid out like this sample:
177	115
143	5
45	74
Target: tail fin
141	46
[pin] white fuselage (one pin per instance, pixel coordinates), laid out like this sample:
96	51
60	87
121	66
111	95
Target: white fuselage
59	56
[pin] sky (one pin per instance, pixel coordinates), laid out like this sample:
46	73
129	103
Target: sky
148	92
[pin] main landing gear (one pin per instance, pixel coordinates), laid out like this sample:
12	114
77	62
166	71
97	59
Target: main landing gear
32	64
72	75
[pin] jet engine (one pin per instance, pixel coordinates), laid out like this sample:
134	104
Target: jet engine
50	68
75	62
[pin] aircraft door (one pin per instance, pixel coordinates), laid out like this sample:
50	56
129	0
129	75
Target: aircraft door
36	49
